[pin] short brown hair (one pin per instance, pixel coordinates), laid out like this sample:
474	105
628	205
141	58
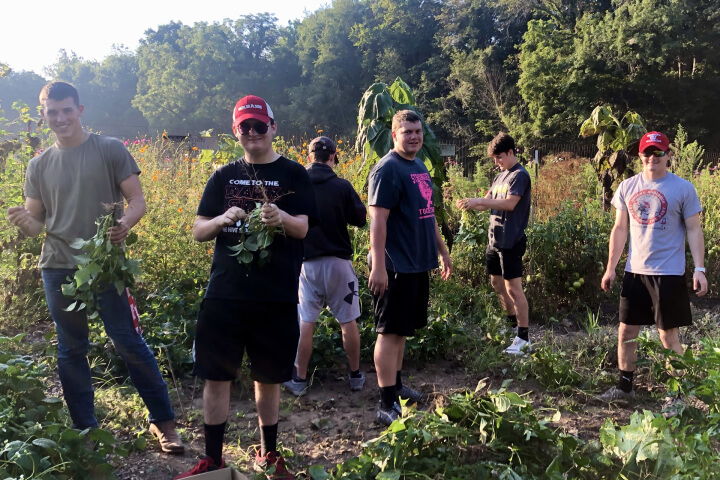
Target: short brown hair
59	91
500	144
404	116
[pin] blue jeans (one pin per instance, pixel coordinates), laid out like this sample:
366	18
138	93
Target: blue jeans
72	332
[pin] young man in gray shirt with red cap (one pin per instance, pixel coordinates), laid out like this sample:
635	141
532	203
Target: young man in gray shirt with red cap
658	210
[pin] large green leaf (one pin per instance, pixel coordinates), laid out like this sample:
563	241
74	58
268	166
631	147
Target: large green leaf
401	92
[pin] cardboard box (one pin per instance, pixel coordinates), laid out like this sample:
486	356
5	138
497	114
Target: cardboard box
222	474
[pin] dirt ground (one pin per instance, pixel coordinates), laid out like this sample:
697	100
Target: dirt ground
330	423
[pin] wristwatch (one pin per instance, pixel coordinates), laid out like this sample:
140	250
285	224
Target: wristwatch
700	269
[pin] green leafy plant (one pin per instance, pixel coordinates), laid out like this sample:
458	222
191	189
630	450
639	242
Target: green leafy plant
255	239
614	138
102	264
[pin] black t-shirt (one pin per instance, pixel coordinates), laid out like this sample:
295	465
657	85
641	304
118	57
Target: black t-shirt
508	227
240	184
405	188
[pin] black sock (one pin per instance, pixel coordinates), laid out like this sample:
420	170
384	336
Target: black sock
298	379
626	381
523	333
398	380
214	439
355	374
512	320
388	396
268	438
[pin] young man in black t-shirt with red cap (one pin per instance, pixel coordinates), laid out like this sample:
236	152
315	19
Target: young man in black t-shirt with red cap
250	307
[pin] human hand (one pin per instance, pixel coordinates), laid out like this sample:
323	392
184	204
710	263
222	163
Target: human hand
700	283
231	216
470	204
272	216
118	232
378	281
19	216
445	266
607	280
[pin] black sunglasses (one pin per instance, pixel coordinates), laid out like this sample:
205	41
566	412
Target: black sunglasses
259	127
654	153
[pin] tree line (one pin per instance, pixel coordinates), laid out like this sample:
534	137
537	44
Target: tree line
533	67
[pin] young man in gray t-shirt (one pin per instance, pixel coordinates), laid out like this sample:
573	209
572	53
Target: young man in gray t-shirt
65	188
659	210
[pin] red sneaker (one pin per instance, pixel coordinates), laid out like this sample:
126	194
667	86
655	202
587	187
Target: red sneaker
205	464
273	465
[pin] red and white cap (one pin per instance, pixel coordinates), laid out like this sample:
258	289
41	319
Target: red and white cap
654	139
251	106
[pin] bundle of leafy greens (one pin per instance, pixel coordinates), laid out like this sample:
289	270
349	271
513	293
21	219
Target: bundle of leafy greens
101	265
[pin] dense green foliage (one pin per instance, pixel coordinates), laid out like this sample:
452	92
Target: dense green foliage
534	68
35	441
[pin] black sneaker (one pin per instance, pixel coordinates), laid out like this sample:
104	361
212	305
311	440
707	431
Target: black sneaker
412	396
387	416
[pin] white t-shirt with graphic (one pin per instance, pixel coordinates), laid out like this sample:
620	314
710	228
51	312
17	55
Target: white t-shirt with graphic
657	212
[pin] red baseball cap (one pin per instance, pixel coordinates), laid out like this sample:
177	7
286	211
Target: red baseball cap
654	139
251	106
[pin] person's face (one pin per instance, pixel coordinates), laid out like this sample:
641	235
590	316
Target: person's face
254	142
408	138
655	160
63	117
504	160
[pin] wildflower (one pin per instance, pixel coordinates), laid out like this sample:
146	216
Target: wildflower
340	141
320	130
180	210
195	148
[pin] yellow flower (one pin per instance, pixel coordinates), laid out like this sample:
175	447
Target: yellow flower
195	148
340	142
180	210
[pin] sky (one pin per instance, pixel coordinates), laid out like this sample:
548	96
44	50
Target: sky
32	32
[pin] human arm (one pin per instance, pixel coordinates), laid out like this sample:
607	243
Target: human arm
378	279
207	228
472	203
696	242
618	237
295	226
132	193
29	218
487	203
445	260
356	214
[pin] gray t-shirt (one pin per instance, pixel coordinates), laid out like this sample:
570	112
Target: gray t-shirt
73	184
508	227
405	188
657	212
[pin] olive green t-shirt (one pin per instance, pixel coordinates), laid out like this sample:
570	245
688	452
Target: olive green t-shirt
73	184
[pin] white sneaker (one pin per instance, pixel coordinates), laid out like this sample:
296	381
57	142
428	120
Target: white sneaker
518	347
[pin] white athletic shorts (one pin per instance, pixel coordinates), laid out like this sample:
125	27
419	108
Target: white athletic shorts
331	282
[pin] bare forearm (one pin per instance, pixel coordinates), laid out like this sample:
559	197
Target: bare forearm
205	229
499	204
696	242
440	241
294	226
618	237
134	212
378	237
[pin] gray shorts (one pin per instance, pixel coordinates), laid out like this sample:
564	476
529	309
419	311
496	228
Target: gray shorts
331	282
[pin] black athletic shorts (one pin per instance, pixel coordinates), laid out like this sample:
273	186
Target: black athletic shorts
662	300
506	262
404	306
268	331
